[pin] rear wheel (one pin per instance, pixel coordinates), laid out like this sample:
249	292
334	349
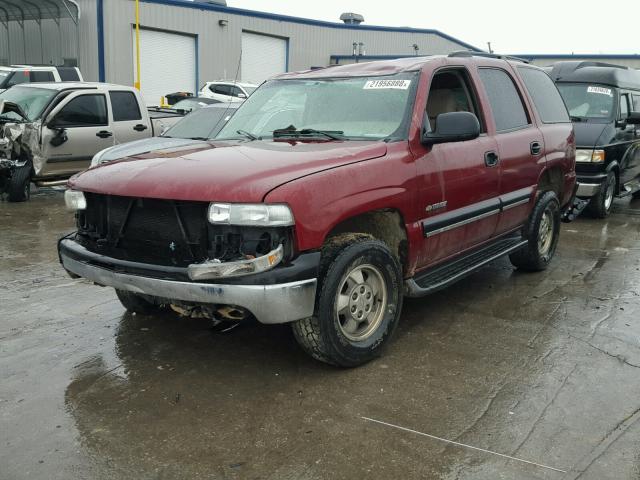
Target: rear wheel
19	184
357	307
600	204
134	302
541	232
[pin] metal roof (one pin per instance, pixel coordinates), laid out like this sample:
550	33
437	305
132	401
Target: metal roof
21	10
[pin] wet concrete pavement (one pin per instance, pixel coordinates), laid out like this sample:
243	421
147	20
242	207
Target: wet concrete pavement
542	367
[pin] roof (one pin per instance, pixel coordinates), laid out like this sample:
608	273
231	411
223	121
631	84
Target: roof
21	10
580	56
307	21
19	68
232	82
594	72
72	85
382	67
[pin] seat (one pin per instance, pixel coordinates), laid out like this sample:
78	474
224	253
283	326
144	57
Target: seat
441	100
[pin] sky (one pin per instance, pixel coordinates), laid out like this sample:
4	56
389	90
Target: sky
546	26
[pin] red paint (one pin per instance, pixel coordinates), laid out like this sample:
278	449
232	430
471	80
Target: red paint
328	182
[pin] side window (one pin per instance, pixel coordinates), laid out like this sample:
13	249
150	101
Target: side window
506	104
222	89
624	106
124	106
83	111
42	77
18	77
235	91
545	95
636	103
449	92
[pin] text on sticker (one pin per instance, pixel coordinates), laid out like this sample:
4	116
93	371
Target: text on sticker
399	84
600	90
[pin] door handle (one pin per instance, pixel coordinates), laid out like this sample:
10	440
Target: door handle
536	148
491	159
140	127
104	134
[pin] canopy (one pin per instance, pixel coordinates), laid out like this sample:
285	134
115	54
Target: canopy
21	10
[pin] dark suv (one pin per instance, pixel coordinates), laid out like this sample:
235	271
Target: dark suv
331	194
604	103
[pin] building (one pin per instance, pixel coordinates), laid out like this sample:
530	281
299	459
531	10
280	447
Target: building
185	43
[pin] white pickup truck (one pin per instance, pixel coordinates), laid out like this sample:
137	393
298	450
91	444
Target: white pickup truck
50	131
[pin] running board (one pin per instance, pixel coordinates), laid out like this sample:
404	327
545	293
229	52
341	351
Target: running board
441	276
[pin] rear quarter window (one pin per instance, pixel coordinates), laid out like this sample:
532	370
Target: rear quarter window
545	96
506	104
124	106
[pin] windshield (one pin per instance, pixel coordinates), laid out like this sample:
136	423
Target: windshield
32	101
354	108
202	123
588	101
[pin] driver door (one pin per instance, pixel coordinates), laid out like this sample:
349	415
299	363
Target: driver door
75	130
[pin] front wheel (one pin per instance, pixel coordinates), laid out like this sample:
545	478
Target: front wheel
600	204
136	303
358	305
19	184
541	232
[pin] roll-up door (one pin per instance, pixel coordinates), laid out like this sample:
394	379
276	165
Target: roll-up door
262	57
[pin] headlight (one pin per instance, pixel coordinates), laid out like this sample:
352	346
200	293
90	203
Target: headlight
589	156
74	199
254	215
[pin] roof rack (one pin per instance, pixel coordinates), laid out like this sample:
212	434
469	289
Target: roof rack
469	53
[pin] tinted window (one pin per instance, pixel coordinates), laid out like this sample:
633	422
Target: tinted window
124	106
505	101
624	106
17	78
42	77
235	91
68	74
545	95
636	103
83	111
222	89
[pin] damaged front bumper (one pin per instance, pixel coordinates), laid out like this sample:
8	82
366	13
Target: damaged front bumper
282	295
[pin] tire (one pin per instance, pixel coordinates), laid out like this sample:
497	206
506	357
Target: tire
636	195
358	303
600	204
19	184
136	303
541	231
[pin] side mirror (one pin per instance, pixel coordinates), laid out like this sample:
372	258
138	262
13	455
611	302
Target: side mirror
452	127
242	95
634	118
59	138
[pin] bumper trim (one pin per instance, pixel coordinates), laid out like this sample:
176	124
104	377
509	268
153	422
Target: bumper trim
270	304
588	189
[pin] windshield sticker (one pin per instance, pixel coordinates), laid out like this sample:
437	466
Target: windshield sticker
377	84
600	90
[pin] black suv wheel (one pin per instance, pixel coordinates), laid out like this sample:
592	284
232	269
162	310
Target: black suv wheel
600	204
19	184
136	303
358	303
541	232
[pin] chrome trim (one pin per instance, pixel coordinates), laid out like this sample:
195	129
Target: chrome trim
588	189
524	201
462	223
280	303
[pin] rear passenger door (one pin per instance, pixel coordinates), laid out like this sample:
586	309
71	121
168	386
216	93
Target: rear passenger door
520	146
127	118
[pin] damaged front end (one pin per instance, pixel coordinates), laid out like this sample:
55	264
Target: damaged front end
19	148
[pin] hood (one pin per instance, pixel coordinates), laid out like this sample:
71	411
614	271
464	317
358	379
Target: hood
145	145
592	134
10	107
225	171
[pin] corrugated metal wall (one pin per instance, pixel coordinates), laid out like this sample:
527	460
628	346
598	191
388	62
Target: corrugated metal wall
219	47
33	46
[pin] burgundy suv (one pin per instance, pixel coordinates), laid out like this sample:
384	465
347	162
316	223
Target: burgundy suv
331	194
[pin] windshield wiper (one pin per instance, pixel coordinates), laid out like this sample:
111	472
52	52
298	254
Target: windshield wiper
244	133
198	138
292	132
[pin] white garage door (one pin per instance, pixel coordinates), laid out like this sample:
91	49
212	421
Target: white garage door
167	64
262	57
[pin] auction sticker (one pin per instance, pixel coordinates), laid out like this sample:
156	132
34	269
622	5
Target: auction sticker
600	90
378	84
